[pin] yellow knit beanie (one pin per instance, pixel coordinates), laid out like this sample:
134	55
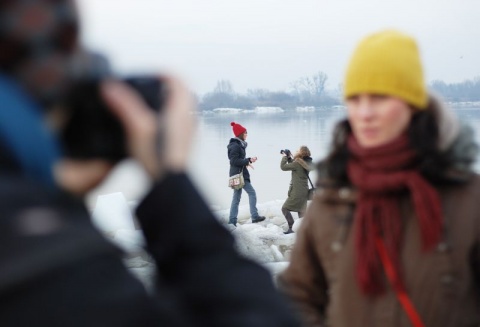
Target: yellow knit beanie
387	63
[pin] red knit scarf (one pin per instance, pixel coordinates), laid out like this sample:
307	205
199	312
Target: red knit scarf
381	174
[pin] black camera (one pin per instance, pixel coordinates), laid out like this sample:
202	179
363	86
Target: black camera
286	152
92	131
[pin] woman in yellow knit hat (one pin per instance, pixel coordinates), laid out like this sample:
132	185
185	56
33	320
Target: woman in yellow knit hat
393	237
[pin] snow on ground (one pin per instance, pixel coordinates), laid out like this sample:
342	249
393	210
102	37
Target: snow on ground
305	109
260	110
263	110
471	104
228	110
263	242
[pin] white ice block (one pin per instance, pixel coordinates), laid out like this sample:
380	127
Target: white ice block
112	212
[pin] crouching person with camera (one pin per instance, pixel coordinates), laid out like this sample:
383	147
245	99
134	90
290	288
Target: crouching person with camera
300	165
57	269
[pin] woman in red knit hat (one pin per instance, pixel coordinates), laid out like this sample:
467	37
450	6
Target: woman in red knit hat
238	164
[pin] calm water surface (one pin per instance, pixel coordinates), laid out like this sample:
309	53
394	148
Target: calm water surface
267	135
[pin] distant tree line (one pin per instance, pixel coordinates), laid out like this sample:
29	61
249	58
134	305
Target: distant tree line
468	90
310	91
306	91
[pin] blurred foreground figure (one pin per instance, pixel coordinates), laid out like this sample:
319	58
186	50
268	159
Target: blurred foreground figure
392	237
57	270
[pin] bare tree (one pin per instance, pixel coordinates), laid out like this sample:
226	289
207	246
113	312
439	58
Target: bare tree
468	90
224	86
302	85
318	83
313	85
258	94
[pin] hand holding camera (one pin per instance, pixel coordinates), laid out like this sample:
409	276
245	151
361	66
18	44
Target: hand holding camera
159	142
286	153
92	130
115	120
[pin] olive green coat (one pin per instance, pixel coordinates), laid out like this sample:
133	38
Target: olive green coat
298	190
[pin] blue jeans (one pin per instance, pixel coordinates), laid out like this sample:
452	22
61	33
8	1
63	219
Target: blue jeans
252	199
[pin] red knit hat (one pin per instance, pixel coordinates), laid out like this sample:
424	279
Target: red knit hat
238	129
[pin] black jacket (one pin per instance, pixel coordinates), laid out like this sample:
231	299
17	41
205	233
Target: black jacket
57	270
236	155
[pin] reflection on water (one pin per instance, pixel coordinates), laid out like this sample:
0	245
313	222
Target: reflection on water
267	135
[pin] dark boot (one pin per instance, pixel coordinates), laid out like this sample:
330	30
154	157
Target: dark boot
258	219
289	231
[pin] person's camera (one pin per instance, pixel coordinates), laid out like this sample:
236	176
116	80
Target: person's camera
286	152
92	131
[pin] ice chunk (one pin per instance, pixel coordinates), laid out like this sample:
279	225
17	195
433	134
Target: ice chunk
112	212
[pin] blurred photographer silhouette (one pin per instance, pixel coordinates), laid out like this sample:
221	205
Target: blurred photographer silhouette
57	269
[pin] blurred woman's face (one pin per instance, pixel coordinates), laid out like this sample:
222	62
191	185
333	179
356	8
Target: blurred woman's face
377	119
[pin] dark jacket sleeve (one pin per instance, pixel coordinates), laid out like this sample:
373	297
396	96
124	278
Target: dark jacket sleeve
235	157
196	259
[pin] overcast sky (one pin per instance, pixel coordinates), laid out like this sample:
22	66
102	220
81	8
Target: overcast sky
270	43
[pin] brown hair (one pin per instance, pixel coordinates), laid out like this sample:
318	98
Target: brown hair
304	151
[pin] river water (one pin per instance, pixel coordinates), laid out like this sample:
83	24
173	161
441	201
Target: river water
268	133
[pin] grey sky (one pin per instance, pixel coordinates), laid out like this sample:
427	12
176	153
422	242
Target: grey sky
270	43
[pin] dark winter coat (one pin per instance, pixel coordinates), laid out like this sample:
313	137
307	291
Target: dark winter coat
57	270
298	190
443	284
237	157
